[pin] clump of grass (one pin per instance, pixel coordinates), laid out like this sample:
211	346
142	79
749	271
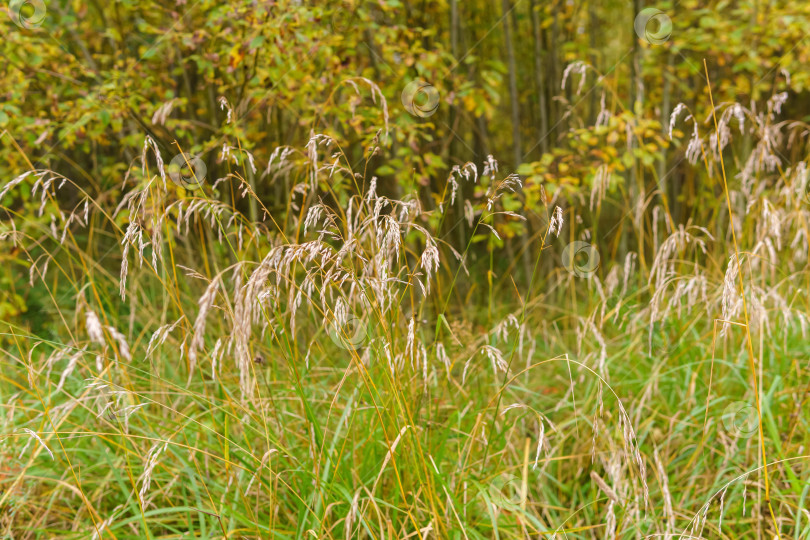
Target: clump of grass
339	368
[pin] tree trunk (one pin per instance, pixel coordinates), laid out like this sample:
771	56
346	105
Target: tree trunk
555	72
513	90
538	75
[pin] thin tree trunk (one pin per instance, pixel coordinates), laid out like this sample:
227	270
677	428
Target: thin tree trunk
516	143
637	87
454	27
593	22
555	71
513	90
666	98
538	75
454	33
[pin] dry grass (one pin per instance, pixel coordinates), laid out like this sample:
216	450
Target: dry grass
341	368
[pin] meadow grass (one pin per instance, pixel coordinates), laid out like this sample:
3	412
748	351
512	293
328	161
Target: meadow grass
341	368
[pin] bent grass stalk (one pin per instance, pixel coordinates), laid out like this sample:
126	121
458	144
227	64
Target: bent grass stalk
751	363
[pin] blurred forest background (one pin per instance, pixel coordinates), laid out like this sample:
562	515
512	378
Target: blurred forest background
83	88
560	248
